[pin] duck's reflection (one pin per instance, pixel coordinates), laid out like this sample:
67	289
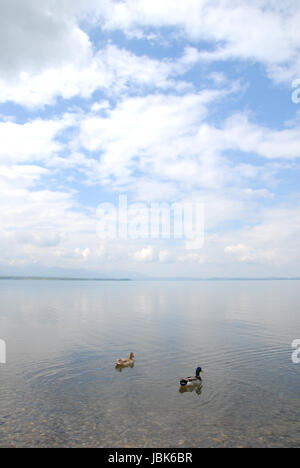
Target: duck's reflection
120	368
192	388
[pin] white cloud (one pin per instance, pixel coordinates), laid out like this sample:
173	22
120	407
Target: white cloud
44	53
238	30
165	256
86	253
22	176
41	239
149	132
35	35
249	254
262	193
111	69
147	254
273	240
31	141
191	257
240	133
156	135
47	55
161	146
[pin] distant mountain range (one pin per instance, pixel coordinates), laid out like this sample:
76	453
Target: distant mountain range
37	272
45	273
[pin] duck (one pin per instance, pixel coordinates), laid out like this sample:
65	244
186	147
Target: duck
197	388
126	362
192	381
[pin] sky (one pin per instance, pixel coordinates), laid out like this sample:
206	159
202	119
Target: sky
159	102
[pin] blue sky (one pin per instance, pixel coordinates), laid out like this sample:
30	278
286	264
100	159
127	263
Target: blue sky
165	102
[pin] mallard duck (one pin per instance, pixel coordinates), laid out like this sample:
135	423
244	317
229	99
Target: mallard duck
197	388
126	362
192	381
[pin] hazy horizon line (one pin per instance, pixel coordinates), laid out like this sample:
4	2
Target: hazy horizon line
66	278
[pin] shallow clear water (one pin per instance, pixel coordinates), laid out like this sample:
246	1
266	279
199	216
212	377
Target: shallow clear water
60	388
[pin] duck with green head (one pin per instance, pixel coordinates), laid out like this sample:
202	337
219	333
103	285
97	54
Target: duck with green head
192	381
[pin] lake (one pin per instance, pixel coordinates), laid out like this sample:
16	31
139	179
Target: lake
59	387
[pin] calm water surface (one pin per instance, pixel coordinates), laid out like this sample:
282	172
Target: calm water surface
59	386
